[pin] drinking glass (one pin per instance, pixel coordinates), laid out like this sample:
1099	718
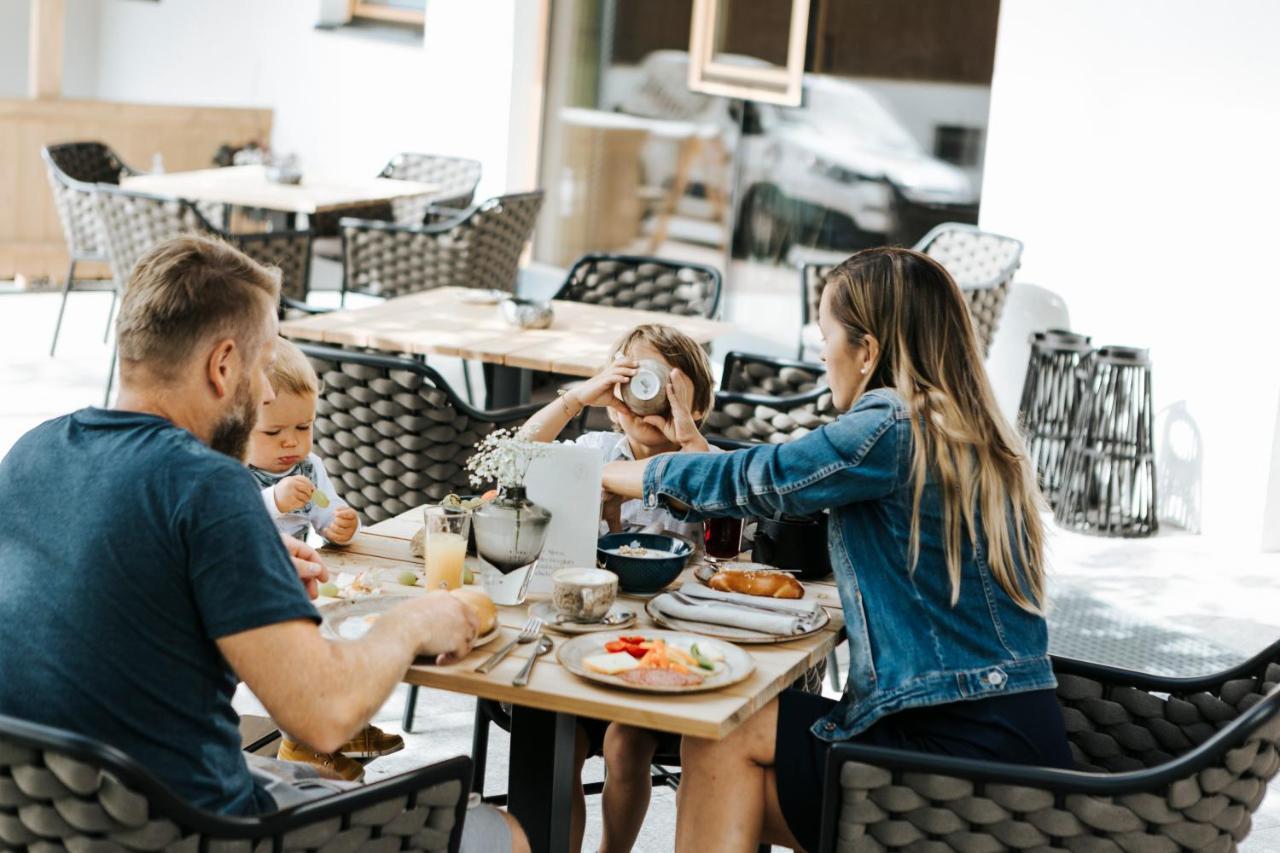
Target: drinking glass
444	545
723	538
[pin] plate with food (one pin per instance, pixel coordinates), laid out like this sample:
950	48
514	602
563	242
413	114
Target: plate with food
656	661
351	619
750	579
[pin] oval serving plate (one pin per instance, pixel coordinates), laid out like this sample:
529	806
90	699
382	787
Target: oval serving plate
344	619
737	664
729	633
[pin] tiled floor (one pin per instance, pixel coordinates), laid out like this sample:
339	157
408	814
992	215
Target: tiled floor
1176	603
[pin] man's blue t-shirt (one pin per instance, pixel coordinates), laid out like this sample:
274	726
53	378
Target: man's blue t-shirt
127	549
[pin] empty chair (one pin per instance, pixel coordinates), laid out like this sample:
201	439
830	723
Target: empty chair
648	284
768	400
73	169
61	791
476	247
392	432
1162	764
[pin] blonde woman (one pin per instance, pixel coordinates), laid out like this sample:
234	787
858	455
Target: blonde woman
938	553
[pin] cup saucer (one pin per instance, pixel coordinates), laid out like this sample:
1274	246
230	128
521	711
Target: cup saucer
619	616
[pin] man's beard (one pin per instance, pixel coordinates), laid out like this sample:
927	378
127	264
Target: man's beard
231	434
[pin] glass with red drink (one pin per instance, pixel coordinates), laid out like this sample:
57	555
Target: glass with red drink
723	538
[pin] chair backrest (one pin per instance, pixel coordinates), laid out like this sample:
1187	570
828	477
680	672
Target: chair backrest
456	178
61	791
648	284
134	222
73	168
769	400
392	433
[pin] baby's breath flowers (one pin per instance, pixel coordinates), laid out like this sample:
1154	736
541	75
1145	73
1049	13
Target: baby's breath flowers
503	457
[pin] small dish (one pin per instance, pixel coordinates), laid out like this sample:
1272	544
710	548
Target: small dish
484	296
643	574
528	313
619	616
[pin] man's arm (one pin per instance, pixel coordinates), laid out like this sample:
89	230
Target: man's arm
322	692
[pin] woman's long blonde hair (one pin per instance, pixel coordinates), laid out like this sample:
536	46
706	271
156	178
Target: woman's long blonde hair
929	354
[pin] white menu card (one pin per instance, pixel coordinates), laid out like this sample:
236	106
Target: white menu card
566	480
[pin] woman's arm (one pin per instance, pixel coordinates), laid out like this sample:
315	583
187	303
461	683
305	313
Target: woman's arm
854	459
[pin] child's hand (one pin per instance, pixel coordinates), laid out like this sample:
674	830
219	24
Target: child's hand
611	510
343	527
680	427
293	493
599	389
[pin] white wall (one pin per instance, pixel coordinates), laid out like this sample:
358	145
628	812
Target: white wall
15	19
345	102
1133	148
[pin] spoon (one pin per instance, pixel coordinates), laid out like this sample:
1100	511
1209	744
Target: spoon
613	617
522	677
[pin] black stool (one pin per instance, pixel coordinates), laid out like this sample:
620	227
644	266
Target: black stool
1108	484
1050	395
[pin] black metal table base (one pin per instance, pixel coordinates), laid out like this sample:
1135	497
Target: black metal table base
506	386
542	739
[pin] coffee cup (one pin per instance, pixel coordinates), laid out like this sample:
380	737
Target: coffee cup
583	595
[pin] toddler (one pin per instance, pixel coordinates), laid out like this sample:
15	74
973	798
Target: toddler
298	494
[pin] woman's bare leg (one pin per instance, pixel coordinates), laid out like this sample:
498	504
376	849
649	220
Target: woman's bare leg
728	793
628	754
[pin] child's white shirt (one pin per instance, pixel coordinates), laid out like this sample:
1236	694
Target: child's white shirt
296	522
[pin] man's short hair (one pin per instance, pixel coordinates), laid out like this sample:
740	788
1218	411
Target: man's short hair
186	292
291	371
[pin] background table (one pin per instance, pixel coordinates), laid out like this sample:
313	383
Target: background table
247	186
444	322
544	713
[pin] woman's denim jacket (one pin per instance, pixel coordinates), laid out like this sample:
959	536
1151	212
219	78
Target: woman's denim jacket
908	646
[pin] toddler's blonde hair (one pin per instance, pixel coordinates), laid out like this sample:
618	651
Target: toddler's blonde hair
681	352
291	371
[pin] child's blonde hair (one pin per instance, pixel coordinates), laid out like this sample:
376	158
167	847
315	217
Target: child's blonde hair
681	352
291	371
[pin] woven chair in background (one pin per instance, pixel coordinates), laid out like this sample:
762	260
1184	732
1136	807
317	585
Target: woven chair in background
477	247
1163	765
645	284
61	791
74	168
982	263
133	223
768	400
393	434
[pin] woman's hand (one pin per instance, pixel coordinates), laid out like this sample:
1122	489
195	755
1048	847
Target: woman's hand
599	390
679	426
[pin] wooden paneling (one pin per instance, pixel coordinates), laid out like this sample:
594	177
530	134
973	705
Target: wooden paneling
31	242
44	51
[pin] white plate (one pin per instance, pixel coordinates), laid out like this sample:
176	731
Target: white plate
350	620
484	296
737	664
546	611
733	635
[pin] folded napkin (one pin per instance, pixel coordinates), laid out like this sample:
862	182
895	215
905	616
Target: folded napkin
716	610
810	608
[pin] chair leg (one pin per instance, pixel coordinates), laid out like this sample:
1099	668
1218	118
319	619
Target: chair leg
410	706
833	671
111	313
111	377
466	381
66	290
479	748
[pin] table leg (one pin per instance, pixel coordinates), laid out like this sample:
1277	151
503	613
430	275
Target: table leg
542	744
506	386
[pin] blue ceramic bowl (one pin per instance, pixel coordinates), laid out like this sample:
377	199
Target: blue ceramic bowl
643	575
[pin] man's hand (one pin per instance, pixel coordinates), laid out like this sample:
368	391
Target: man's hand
679	426
293	493
310	568
343	527
452	626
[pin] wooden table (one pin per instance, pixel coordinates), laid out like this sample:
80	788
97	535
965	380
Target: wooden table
443	322
544	713
247	186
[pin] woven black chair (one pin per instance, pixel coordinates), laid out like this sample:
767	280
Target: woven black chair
647	284
61	791
132	223
1163	765
768	400
392	432
476	247
74	168
983	265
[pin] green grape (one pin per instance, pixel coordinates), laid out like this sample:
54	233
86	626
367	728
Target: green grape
329	590
467	577
320	499
408	578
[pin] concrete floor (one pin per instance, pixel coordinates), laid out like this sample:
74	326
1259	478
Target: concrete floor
1175	603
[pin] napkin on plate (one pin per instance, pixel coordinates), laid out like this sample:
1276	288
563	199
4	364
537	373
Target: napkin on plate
809	607
716	608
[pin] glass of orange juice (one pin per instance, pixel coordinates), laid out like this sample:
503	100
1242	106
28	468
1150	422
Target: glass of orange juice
444	545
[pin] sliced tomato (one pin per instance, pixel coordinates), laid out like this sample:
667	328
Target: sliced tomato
616	646
632	640
635	651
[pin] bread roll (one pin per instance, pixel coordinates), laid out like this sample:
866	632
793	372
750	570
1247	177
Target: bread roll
483	606
767	584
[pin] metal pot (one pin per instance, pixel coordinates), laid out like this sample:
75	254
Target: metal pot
796	543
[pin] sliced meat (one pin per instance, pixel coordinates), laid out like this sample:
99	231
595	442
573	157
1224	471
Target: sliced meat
662	677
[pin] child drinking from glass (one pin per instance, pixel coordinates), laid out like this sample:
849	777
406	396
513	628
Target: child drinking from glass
628	751
299	496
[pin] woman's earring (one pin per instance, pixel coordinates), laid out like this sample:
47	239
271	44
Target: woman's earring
865	368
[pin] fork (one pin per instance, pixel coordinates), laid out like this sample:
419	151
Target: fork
527	634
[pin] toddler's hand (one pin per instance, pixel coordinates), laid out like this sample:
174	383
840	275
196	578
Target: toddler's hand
293	493
343	527
599	389
680	427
